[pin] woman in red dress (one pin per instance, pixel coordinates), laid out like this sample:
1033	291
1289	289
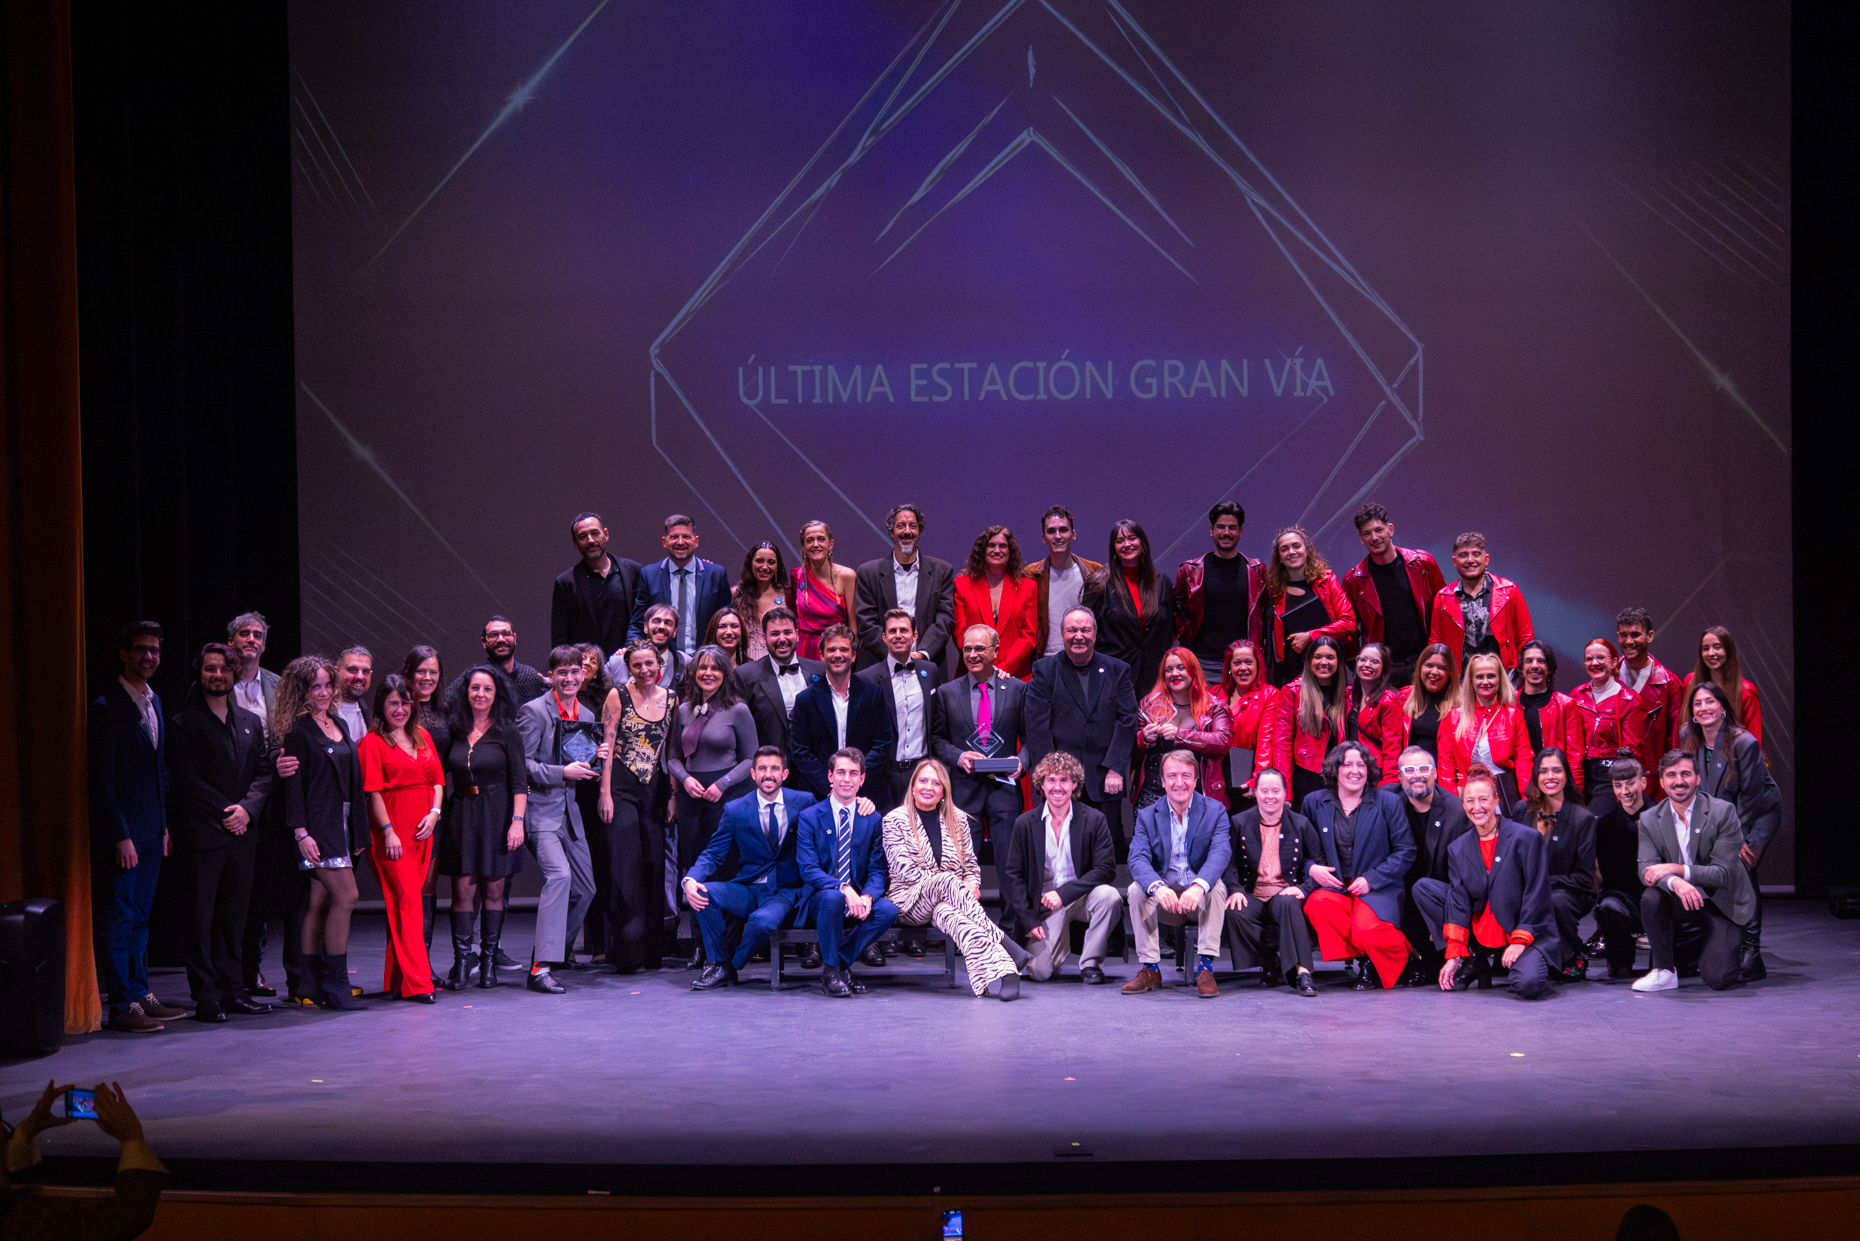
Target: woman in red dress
405	785
993	590
822	590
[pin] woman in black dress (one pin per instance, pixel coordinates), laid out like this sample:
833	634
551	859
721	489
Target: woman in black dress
636	717
483	826
327	814
1133	604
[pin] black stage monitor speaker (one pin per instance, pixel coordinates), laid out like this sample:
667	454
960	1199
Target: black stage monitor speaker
1844	902
32	977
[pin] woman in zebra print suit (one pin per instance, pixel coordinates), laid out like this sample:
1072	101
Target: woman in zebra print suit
936	879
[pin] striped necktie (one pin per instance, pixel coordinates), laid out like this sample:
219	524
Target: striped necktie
843	857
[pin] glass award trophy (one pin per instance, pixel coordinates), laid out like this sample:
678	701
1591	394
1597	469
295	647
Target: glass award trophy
989	745
579	742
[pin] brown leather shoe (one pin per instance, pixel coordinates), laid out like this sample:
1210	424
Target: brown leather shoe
1149	978
1204	984
133	1020
160	1011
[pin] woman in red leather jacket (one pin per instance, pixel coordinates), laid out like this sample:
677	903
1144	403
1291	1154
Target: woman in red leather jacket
1180	714
1486	729
1550	716
1307	603
1373	663
1614	725
1718	664
1243	686
1307	718
1411	716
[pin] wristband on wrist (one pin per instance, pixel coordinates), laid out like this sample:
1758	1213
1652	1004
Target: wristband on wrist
300	834
516	818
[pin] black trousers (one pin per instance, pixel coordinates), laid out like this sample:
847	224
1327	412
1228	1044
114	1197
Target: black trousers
1284	915
594	923
276	886
1112	808
634	845
1529	978
1420	934
1663	916
220	882
1617	916
1753	934
1568	908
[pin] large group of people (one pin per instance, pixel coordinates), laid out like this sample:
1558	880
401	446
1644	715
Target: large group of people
1377	768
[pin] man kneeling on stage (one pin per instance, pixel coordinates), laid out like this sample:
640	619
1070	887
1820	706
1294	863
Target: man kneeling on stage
767	887
1060	865
842	860
1495	906
1695	877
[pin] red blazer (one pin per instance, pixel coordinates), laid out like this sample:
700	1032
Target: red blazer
1619	723
1282	744
1749	710
1424	582
1511	620
1189	603
1212	734
1563	728
1342	625
1019	600
1505	732
1662	695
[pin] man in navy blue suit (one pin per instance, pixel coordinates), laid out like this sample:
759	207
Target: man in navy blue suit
129	827
842	860
761	831
836	712
1180	851
694	587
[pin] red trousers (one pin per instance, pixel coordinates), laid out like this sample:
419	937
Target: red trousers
1347	927
408	972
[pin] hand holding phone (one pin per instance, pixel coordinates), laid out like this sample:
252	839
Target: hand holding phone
80	1104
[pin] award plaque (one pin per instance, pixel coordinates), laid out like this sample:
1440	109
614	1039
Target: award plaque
579	742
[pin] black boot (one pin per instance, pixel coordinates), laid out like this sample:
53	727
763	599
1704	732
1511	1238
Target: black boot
336	990
464	959
487	962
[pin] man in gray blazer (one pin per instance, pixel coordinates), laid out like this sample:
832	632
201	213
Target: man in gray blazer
922	585
1689	860
552	826
955	722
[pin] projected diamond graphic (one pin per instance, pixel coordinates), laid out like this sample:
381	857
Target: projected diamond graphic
1032	264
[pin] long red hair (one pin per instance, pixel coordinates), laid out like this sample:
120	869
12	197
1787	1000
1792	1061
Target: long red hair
1197	684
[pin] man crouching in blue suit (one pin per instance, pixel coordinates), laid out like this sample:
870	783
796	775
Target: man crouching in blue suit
761	830
843	867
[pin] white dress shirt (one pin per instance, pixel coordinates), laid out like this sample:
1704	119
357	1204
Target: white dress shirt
1178	872
354	719
1682	828
781	813
904	580
1059	870
145	703
251	695
840	703
907	696
789	683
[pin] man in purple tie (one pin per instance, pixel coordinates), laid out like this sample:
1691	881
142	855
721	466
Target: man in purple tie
976	716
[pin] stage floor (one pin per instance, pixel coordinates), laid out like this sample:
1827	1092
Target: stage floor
639	1070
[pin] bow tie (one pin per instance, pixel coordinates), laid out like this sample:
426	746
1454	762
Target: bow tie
787	670
901	670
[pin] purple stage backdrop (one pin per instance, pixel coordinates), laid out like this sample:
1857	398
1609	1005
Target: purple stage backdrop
1524	271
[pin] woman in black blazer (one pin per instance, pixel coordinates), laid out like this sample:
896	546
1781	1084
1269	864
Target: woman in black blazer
1731	768
1568	829
1134	606
1278	898
326	811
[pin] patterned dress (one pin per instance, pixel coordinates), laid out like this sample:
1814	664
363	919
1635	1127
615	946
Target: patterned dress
929	892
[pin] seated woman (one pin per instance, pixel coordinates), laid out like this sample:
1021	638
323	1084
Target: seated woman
1180	714
1307	719
1568	830
1487	729
1244	690
1718	664
1550	716
936	880
994	590
1494	908
1366	849
1731	768
1267	883
1412	716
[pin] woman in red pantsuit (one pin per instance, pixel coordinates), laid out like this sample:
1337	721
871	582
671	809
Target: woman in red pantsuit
405	784
993	590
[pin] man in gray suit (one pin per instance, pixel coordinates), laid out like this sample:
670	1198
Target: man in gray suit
922	585
956	713
254	688
552	827
1689	860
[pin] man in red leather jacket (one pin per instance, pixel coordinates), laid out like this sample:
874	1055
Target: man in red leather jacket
1663	692
1387	586
1482	611
1220	597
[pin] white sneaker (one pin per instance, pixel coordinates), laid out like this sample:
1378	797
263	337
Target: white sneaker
1657	980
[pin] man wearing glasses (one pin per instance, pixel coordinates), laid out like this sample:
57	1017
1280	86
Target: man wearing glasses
500	651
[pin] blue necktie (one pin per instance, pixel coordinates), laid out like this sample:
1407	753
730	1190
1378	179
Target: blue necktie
770	830
845	850
683	603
